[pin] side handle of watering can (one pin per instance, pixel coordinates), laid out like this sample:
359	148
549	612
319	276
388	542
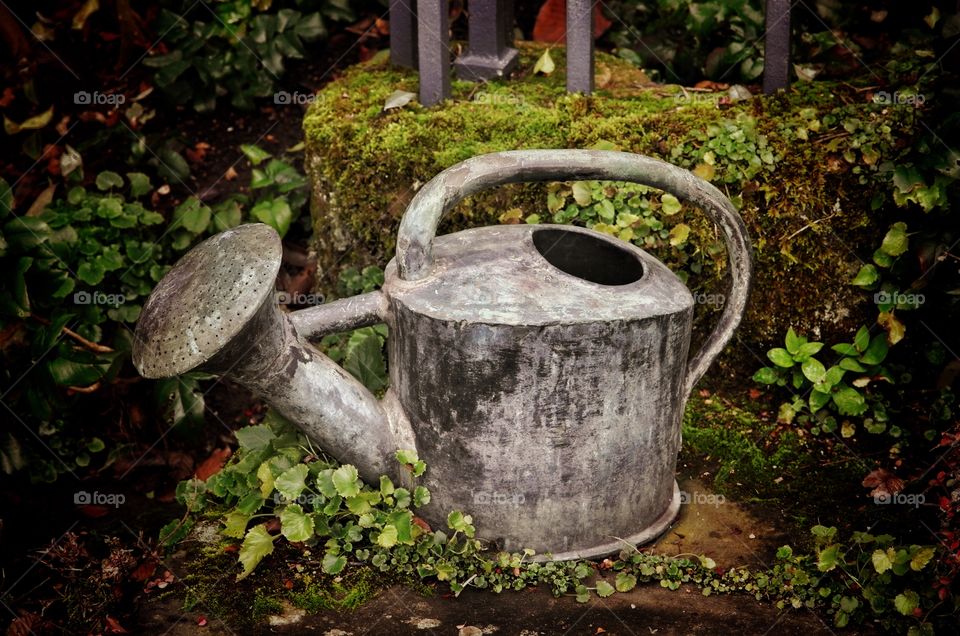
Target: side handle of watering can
419	224
340	315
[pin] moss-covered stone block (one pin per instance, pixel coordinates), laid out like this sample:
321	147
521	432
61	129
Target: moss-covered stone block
802	166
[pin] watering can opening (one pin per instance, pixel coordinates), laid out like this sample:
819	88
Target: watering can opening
588	257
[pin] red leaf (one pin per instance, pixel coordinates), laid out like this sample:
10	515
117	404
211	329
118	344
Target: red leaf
883	482
94	512
144	571
213	464
114	626
551	24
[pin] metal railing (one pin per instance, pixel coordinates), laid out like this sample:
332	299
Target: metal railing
420	39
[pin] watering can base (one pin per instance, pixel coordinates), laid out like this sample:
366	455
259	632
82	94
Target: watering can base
646	535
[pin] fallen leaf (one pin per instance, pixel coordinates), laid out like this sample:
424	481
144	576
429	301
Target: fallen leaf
712	86
423	524
551	24
114	626
8	96
213	464
398	99
883	482
230	174
544	64
94	512
755	394
32	123
144	571
42	200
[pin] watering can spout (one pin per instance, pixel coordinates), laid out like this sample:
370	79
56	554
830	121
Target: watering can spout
216	311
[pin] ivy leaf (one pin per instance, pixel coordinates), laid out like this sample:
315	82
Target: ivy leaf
364	359
139	184
347	481
274	212
421	496
828	558
907	602
334	563
876	351
255	154
895	329
292	481
325	483
194	215
256	545
604	589
544	64
295	524
583	594
780	357
235	524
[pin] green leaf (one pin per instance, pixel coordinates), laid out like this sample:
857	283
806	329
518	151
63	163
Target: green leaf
421	496
254	438
877	351
813	370
325	483
895	242
862	340
882	560
194	215
107	180
364	359
292	481
274	212
849	401
793	342
386	486
256	545
867	276
921	557
69	373
766	375
235	524
255	154
346	480
780	357
581	193
294	523
139	184
333	563
604	589
669	204
907	602
828	558
544	64
679	234
625	582
388	536
818	400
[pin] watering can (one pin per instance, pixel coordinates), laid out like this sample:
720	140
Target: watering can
541	371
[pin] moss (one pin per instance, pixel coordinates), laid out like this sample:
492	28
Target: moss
808	209
348	592
753	459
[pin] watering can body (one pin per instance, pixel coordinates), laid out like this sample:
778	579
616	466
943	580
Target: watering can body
540	371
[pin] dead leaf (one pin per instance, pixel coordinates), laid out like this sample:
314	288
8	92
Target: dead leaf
213	464
144	571
423	524
544	64
42	200
80	17
398	99
8	97
711	86
61	126
883	482
551	24
230	174
94	512
32	123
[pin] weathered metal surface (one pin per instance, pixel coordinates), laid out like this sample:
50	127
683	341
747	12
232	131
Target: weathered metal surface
489	54
541	371
433	48
403	33
546	405
580	46
776	46
340	315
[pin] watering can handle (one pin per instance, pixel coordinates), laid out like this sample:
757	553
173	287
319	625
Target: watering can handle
419	224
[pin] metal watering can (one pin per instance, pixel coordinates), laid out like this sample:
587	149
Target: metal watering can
541	371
